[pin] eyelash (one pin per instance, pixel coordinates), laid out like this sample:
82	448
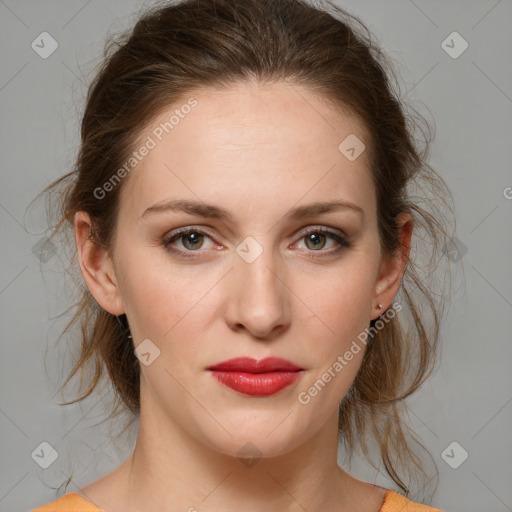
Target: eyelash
342	241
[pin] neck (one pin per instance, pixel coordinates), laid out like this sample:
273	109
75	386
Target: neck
171	470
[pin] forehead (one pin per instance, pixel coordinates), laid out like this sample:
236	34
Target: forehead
267	142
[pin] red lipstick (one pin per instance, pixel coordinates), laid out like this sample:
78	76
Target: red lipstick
256	378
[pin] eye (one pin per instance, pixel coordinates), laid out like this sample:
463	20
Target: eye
316	239
192	239
189	240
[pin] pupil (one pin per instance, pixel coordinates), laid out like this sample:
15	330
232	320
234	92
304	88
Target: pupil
192	238
315	239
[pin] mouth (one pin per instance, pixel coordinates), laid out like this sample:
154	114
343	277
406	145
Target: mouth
256	378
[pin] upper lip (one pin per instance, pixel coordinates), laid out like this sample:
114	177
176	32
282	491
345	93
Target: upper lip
250	365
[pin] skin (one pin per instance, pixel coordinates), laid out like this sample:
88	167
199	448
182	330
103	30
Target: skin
256	151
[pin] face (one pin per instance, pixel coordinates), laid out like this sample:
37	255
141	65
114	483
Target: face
261	273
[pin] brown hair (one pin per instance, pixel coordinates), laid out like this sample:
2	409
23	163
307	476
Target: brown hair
176	48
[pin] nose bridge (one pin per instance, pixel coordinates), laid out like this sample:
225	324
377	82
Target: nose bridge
259	299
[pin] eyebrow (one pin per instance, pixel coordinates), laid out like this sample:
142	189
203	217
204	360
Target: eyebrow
211	211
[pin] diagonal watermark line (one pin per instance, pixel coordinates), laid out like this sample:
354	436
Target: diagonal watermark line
495	5
302	197
484	218
19	428
12	217
13	13
480	430
278	425
291	85
423	423
105	452
425	14
492	286
217	486
417	83
14	485
301	300
198	402
12	280
492	81
427	484
76	76
6	84
284	489
170	170
75	15
490	490
81	419
206	293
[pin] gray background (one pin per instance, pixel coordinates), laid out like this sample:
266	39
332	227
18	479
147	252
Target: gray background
468	400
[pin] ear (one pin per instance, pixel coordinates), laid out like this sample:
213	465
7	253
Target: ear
96	266
392	269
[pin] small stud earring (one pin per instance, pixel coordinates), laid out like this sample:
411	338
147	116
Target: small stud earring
379	306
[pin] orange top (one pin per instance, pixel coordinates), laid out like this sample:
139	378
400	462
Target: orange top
393	502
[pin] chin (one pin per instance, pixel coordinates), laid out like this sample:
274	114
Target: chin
257	435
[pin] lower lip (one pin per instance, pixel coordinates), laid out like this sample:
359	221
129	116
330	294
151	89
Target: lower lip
256	384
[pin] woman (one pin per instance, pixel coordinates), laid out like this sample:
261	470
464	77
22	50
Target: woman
244	231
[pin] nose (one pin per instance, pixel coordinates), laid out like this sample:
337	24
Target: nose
259	299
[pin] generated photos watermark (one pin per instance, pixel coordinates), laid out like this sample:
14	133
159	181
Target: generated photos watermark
343	359
151	141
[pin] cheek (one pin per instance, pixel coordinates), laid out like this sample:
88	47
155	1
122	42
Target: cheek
336	330
334	344
161	298
341	301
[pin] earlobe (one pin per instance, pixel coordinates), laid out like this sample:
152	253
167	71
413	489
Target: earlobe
392	270
96	266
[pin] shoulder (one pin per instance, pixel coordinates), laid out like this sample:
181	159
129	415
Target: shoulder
394	502
69	503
